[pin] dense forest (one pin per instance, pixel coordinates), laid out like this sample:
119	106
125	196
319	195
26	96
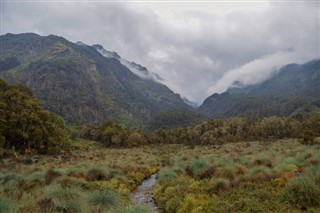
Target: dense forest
211	132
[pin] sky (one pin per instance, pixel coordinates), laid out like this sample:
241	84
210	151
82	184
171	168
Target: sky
197	47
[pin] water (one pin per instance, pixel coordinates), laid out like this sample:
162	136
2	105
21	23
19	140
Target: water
143	194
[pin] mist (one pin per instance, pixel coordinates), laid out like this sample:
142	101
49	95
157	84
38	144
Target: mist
196	48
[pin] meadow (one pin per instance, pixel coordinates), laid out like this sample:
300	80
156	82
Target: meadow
278	176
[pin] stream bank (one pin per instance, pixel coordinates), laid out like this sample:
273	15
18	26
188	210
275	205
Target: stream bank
143	194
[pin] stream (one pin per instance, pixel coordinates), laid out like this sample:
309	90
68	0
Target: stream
143	194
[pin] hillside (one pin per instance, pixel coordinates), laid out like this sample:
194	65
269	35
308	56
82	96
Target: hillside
80	84
295	88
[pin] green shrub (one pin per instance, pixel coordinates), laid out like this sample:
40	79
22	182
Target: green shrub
307	137
302	192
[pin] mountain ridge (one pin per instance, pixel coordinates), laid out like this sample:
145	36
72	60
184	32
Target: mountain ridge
78	83
294	88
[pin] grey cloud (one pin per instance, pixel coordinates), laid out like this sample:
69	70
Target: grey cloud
198	53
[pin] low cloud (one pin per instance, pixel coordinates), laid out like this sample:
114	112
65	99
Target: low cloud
196	51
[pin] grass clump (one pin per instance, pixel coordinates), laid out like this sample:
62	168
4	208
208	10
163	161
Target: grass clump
166	174
63	199
51	175
219	185
200	169
97	175
7	205
103	200
303	193
133	209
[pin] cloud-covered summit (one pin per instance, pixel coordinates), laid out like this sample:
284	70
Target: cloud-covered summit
197	48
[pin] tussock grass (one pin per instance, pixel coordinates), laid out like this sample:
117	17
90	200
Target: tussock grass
104	200
133	209
7	205
63	199
303	193
241	177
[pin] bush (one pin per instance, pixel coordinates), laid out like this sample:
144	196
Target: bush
302	193
307	137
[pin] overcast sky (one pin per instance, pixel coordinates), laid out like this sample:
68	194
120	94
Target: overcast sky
198	48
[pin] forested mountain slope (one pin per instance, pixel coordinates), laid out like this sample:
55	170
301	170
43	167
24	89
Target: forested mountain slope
80	84
295	88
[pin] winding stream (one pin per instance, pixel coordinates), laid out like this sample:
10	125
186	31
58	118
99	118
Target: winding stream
143	194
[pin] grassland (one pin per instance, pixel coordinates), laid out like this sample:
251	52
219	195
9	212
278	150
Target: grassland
280	176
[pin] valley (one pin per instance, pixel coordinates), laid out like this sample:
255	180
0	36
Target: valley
84	130
260	176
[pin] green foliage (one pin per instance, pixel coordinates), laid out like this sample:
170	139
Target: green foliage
109	133
25	126
135	139
219	131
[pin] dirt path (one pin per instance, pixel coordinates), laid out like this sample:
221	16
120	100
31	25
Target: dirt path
143	194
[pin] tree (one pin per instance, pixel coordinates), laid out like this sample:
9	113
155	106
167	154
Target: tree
25	125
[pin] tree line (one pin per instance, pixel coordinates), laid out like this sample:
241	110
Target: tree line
26	127
212	132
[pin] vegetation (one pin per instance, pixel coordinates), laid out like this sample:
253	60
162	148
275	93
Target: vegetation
254	160
241	177
175	119
25	126
90	178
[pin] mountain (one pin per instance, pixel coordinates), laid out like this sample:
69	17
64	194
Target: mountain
81	83
295	88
